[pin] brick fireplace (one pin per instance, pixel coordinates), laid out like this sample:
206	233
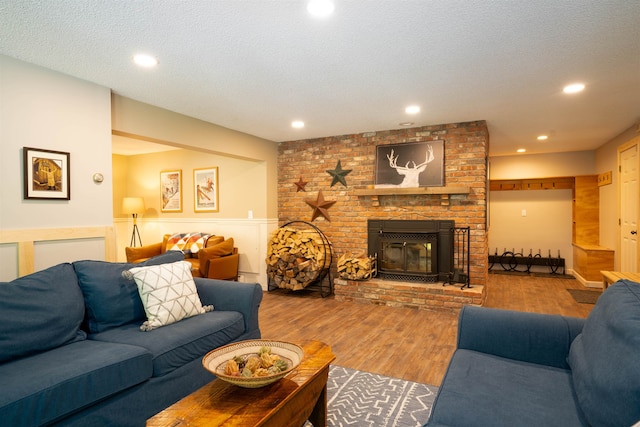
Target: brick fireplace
465	166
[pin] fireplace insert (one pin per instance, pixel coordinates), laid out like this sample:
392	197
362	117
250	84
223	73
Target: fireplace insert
412	250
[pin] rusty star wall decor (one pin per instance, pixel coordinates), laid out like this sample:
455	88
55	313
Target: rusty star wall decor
301	184
320	206
339	174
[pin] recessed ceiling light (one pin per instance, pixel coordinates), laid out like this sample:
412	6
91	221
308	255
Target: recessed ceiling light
298	124
542	137
521	150
145	60
320	8
412	109
406	124
573	88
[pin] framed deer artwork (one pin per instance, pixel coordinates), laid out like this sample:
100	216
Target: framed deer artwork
411	164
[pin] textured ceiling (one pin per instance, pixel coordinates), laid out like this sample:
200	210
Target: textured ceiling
255	66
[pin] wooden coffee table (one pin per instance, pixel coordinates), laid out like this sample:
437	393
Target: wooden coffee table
300	396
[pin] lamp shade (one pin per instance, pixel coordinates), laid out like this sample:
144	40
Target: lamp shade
133	205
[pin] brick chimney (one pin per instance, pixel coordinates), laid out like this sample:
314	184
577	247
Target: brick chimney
466	148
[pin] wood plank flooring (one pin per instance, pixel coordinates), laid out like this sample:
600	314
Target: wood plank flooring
415	345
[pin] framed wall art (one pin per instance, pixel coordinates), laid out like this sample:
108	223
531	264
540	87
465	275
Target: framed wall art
411	164
171	190
205	189
47	174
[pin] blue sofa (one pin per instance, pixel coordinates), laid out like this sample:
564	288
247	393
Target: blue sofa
72	352
525	369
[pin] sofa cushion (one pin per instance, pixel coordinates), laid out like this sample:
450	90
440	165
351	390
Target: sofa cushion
480	389
112	300
40	311
174	345
39	389
604	358
220	249
168	293
214	240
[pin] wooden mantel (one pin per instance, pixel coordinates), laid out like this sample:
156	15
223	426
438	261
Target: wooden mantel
411	191
443	192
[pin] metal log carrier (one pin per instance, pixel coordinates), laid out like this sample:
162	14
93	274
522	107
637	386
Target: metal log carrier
317	283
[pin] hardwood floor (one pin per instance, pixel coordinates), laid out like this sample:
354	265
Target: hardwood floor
415	345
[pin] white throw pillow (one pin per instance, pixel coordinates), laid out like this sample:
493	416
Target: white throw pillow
168	293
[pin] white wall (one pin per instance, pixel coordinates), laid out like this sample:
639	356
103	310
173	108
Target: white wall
545	226
43	109
543	165
156	124
548	223
239	183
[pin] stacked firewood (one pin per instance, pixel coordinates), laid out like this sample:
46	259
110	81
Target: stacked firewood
352	267
295	257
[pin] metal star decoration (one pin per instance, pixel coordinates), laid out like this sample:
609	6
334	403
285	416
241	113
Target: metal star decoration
301	184
339	174
320	206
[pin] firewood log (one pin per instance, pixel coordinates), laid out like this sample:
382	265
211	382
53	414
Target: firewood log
295	257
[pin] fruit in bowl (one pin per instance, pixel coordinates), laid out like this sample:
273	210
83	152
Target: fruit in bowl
253	363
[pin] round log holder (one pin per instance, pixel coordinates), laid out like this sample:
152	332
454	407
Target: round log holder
318	283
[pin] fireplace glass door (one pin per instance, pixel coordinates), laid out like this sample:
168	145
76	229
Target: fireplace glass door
416	255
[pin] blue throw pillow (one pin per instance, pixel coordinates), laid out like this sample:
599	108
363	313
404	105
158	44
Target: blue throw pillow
39	312
110	299
605	358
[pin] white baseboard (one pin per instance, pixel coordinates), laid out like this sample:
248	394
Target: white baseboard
585	282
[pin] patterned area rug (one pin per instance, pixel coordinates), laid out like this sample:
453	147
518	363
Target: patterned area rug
358	398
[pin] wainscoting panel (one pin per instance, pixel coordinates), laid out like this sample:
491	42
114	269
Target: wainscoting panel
24	251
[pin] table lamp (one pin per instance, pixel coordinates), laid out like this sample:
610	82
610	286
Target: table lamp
133	206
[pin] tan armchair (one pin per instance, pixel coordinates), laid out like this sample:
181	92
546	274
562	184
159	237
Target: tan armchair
217	260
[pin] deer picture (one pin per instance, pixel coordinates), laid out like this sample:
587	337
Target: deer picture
411	173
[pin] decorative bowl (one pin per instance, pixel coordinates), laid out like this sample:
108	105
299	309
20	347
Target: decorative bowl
216	360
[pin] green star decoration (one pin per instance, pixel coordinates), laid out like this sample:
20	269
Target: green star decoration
339	174
320	206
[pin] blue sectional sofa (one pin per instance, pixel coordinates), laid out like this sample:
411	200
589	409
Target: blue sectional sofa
525	369
72	351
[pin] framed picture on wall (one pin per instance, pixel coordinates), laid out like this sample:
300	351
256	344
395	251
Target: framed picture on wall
171	190
205	189
409	165
47	174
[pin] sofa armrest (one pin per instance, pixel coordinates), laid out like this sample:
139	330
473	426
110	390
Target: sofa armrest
232	296
530	337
